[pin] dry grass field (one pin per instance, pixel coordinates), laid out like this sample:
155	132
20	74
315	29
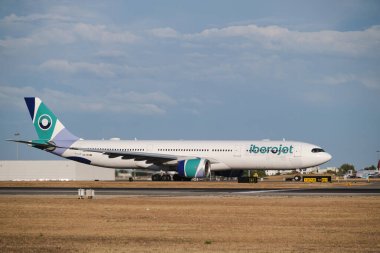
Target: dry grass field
189	224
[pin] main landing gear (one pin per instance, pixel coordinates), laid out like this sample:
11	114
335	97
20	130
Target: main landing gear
177	177
168	177
159	177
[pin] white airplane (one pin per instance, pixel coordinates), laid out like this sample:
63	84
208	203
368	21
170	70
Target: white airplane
189	159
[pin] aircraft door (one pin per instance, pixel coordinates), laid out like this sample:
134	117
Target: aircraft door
237	151
297	151
149	148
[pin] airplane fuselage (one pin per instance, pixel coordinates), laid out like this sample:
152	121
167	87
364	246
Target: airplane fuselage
224	155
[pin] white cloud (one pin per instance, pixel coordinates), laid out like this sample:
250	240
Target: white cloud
369	81
65	33
34	17
110	53
99	69
150	103
317	98
40	38
165	32
66	29
135	97
9	95
100	33
353	43
338	79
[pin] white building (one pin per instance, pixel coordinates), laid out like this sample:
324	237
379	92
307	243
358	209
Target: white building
52	170
284	172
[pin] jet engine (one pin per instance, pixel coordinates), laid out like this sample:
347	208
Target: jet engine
198	168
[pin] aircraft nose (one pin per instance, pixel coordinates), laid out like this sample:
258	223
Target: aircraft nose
327	156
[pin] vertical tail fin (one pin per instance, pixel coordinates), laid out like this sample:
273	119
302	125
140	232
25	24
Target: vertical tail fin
46	124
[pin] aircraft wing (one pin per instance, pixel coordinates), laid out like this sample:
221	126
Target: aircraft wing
150	158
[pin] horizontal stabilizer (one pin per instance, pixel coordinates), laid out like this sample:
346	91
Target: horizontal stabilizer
41	144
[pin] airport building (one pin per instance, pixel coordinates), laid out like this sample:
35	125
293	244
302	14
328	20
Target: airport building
284	172
52	171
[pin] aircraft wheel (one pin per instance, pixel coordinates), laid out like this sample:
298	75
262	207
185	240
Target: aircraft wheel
176	177
156	177
166	178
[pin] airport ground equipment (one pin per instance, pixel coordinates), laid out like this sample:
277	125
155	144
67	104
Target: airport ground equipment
310	178
314	179
297	178
83	193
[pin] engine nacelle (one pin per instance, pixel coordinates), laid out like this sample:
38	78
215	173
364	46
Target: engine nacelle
191	168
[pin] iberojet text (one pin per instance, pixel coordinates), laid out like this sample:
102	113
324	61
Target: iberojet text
275	150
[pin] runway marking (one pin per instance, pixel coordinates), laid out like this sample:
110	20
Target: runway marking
264	191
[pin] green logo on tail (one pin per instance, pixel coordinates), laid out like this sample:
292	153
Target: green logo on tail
44	122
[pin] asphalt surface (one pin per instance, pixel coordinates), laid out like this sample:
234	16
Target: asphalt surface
371	190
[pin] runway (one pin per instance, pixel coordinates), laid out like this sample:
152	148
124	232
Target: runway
174	192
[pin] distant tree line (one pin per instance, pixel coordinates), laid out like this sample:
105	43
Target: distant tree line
346	167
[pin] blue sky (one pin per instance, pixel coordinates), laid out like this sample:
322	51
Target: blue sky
299	70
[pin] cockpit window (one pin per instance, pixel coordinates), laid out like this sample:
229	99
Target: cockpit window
317	150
